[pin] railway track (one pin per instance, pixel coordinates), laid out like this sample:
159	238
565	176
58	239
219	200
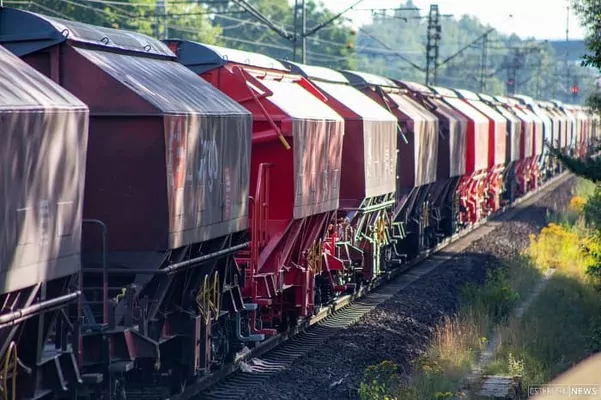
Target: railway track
280	351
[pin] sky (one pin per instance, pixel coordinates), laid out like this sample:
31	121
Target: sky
527	18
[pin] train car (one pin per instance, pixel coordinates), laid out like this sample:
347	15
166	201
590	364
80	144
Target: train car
512	146
540	139
166	202
452	147
572	127
368	176
296	166
566	124
417	157
472	186
538	145
497	145
582	129
559	127
43	161
525	173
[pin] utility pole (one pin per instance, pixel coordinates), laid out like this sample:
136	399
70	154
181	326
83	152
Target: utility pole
433	44
567	48
512	72
161	19
304	33
484	63
538	72
295	35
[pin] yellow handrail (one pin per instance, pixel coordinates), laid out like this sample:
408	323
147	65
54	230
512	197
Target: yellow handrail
12	351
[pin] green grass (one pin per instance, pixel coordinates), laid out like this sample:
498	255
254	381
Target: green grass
557	331
561	326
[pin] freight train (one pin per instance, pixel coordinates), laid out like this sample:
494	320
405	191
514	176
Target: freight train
170	204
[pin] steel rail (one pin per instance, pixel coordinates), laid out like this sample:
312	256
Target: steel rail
280	352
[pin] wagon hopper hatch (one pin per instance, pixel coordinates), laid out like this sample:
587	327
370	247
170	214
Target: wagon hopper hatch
514	128
526	168
452	150
497	136
418	140
543	125
295	172
512	145
497	129
560	123
42	159
369	167
472	186
167	187
571	134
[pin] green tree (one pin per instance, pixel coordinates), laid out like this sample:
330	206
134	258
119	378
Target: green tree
589	12
332	45
186	20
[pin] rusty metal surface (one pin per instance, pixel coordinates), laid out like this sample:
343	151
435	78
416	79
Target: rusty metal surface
191	142
452	144
43	161
500	130
423	139
514	133
538	127
454	130
480	134
379	137
547	125
317	144
207	161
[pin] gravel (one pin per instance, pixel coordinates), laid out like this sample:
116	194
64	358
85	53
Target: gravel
399	329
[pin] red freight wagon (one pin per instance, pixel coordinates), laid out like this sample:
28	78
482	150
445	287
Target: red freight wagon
525	104
537	143
525	174
417	159
559	123
571	136
497	142
472	185
581	129
497	138
369	169
167	185
514	128
295	176
555	123
43	161
452	147
512	145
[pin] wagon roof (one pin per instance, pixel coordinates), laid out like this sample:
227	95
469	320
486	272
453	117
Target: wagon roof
168	85
364	78
30	32
23	88
481	106
337	86
461	106
317	73
416	87
202	57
